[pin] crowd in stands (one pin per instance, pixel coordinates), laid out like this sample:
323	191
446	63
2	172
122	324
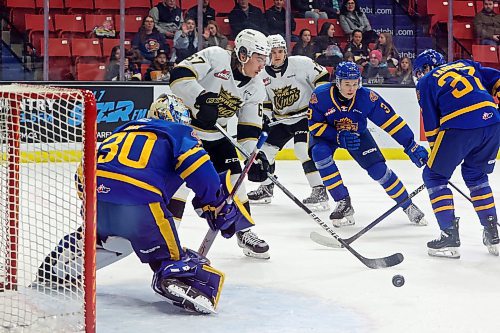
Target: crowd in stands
168	34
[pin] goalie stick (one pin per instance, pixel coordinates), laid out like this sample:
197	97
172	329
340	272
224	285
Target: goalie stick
331	242
207	242
374	263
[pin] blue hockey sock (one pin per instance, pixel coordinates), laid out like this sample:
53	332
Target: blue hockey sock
483	201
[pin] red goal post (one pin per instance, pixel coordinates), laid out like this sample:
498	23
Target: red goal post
45	132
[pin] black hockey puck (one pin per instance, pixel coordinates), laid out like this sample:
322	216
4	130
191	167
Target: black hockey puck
398	280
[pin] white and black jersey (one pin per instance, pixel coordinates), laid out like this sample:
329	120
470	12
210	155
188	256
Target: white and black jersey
290	86
240	95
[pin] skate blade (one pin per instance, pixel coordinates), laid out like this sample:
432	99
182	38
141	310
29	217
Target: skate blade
252	254
318	207
493	249
201	304
264	201
346	221
445	252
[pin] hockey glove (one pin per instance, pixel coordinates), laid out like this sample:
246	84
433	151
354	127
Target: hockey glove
258	171
221	220
208	105
348	140
265	124
417	154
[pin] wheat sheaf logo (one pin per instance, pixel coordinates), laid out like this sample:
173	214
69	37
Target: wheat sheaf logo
228	104
346	124
285	96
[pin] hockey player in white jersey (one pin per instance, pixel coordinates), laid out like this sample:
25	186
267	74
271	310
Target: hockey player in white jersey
289	82
217	85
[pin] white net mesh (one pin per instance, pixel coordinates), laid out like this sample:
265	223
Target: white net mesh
41	283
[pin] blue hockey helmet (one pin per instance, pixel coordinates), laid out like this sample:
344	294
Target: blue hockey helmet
171	108
425	61
347	70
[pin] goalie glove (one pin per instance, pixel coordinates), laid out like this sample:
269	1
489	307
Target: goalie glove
417	154
207	104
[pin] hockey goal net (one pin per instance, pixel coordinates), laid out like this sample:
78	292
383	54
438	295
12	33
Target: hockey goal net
45	132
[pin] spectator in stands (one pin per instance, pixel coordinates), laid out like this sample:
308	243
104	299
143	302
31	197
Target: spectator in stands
328	52
159	70
308	9
389	52
351	18
404	72
149	40
305	46
375	72
167	16
330	7
131	70
348	56
246	16
359	49
208	13
487	24
276	20
212	36
185	41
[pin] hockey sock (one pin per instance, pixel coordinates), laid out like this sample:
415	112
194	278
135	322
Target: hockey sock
442	204
390	182
483	201
312	174
323	159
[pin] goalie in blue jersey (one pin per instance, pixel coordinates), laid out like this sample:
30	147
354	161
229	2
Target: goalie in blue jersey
461	122
338	115
139	168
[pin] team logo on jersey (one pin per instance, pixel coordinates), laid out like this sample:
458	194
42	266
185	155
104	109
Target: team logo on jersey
267	81
487	115
223	74
286	96
228	104
314	99
103	189
373	96
345	124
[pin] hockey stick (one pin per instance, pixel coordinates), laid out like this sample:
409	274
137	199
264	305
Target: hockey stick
389	261
463	194
207	242
330	242
277	122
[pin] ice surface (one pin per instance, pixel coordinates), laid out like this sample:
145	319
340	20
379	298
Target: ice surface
305	287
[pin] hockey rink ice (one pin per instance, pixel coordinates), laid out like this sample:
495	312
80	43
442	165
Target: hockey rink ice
305	287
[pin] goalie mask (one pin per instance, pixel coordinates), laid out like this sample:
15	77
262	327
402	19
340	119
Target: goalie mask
171	108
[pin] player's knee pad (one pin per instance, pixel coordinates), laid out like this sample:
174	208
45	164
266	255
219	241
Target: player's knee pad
379	172
270	151
473	176
194	270
301	151
322	156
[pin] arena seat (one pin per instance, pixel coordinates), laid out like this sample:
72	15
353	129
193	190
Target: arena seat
109	43
59	58
224	26
305	23
107	6
86	50
70	25
485	54
137	7
55	6
80	6
18	8
35	27
96	20
90	72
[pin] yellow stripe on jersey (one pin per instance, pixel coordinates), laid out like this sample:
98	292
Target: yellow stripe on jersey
390	121
491	205
194	166
495	91
482	197
314	126
435	148
185	155
393	185
397	128
165	230
469	108
334	185
394	196
322	130
432	133
442	197
127	179
440	209
333	175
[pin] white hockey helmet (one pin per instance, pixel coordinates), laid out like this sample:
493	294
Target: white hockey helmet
276	41
250	41
171	108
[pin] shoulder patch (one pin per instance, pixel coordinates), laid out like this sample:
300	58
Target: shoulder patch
373	96
314	99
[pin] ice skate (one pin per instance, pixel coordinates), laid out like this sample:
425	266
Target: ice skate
252	245
447	245
186	296
490	236
318	201
343	213
262	195
415	215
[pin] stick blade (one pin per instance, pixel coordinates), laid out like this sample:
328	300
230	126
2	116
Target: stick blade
324	240
392	260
